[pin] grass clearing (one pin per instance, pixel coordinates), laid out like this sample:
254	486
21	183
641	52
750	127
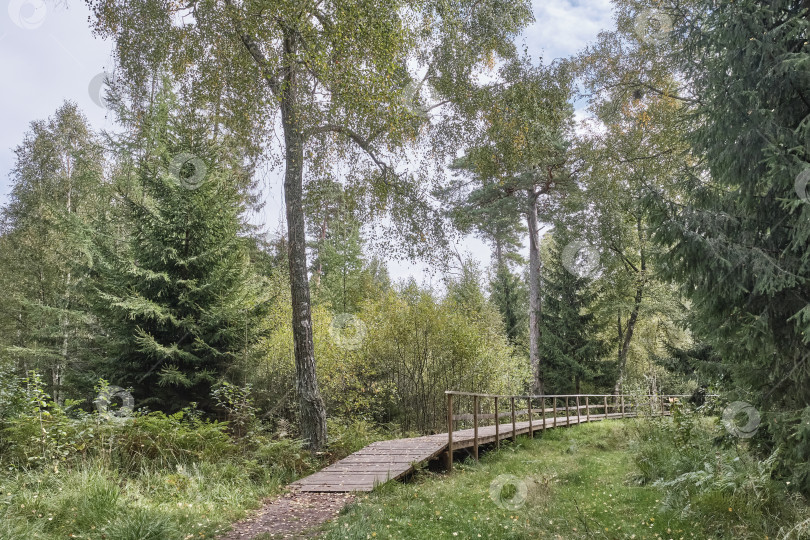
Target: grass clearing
570	483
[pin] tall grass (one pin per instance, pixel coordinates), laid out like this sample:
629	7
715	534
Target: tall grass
152	476
713	478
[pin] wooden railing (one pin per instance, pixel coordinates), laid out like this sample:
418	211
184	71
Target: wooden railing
552	409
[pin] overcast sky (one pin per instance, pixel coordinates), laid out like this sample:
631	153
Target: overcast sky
48	54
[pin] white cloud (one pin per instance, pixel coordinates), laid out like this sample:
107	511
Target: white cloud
563	27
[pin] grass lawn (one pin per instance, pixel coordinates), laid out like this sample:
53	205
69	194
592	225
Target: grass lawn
568	483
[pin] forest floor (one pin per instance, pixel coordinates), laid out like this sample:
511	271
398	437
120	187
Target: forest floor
568	483
292	515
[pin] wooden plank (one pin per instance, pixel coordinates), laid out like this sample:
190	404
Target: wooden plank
449	432
389	460
340	466
475	427
335	489
343	478
514	432
379	459
531	431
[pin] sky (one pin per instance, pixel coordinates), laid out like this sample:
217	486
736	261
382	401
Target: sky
49	54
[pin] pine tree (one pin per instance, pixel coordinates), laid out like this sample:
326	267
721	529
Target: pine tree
519	160
178	291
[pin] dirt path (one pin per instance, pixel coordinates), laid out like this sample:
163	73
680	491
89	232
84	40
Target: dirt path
292	515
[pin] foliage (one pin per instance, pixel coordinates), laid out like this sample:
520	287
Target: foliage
421	346
176	292
727	489
736	241
238	404
56	191
634	142
412	345
570	345
152	475
509	294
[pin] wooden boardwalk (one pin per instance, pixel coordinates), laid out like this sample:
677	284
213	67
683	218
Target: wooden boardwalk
383	461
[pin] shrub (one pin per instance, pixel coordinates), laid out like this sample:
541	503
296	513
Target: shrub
348	436
704	478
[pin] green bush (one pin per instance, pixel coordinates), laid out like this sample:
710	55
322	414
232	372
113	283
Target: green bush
348	436
164	441
706	479
68	473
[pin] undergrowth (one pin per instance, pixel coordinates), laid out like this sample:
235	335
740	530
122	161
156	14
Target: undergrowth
66	473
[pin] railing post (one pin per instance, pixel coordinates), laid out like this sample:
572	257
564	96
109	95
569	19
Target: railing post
567	412
663	412
531	430
475	427
449	432
555	410
543	406
497	426
578	416
622	405
587	409
514	424
606	409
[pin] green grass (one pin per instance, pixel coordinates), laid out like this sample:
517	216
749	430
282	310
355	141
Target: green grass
97	503
578	484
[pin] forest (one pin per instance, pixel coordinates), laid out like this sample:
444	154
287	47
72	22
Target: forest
167	361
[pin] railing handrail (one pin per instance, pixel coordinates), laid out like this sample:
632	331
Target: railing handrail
539	396
623	404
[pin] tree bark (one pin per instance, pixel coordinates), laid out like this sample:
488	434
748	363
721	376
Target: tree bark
313	411
631	321
628	335
535	307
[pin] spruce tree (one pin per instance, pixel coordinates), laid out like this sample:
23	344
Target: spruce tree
738	238
569	342
509	294
178	291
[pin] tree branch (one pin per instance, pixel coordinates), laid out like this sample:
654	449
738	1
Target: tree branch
254	50
358	139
